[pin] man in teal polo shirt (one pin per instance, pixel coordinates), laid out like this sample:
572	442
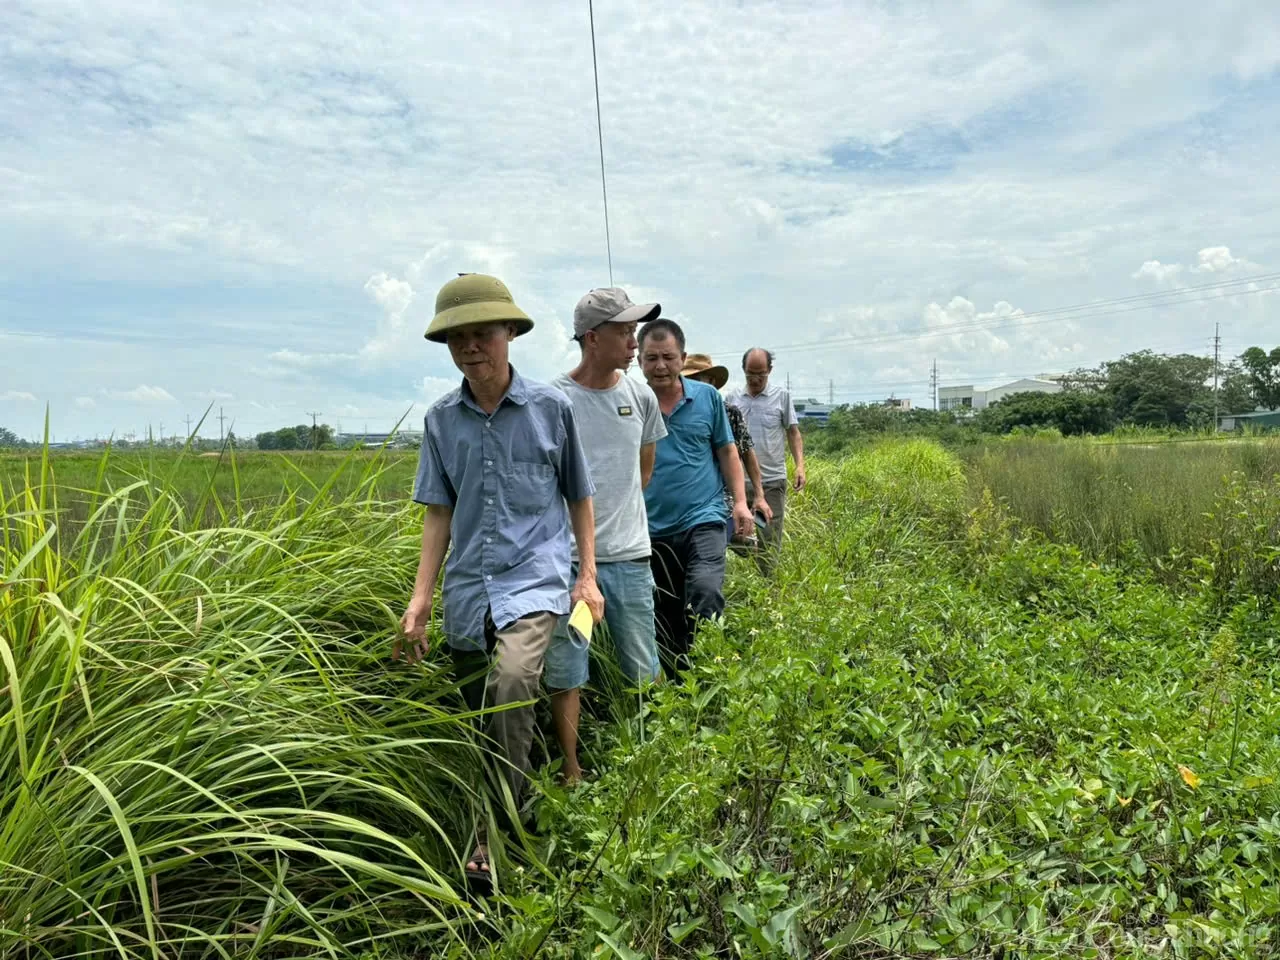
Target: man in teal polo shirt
693	465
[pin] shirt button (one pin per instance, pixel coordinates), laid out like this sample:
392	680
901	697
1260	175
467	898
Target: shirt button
489	576
489	501
488	539
488	463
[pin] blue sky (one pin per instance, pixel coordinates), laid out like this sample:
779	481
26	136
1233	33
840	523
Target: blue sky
252	207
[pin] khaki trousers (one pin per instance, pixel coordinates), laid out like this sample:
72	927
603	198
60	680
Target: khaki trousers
513	660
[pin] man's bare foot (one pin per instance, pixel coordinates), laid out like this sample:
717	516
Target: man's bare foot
570	775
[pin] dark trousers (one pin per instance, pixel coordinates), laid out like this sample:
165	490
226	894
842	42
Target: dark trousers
688	572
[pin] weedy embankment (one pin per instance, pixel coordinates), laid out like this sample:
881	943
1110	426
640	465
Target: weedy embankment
937	737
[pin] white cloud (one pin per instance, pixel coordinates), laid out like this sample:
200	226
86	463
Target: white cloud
393	296
433	388
289	225
85	403
1220	260
143	393
1157	271
18	396
292	358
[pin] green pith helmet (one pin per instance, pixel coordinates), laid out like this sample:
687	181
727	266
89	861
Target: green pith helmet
474	298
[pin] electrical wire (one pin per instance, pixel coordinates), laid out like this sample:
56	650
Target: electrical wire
604	189
1129	304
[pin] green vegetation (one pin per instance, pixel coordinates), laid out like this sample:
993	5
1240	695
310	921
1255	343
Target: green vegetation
301	437
209	488
940	733
1176	509
1071	413
1140	391
1262	375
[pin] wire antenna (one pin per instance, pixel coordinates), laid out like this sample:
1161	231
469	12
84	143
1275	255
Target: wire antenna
604	189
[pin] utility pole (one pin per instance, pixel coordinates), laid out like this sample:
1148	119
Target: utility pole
933	383
831	393
1217	353
188	426
221	436
313	416
788	383
162	433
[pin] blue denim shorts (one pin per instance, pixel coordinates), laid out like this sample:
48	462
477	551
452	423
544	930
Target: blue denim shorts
627	586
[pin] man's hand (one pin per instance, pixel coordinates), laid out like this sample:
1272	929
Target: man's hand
800	478
588	591
761	506
742	522
413	629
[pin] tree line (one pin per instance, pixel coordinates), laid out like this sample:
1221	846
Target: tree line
1144	389
1141	389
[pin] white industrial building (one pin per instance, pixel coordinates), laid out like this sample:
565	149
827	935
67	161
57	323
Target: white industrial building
967	398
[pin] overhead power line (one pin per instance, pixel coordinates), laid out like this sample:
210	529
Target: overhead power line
816	387
1086	311
604	189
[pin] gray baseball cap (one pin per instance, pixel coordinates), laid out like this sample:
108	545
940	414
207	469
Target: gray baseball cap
610	305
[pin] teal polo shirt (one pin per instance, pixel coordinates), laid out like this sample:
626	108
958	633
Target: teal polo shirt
686	489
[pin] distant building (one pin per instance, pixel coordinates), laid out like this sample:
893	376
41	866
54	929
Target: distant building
966	398
813	411
1258	420
900	404
395	440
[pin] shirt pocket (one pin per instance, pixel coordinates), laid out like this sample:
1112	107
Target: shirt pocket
533	487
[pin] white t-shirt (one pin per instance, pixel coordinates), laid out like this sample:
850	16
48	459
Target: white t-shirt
768	417
614	424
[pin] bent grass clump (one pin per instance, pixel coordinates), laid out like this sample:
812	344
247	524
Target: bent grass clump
204	752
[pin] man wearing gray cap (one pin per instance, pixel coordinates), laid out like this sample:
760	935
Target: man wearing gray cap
620	424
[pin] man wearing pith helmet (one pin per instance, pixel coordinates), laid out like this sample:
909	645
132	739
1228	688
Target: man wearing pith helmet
621	425
503	476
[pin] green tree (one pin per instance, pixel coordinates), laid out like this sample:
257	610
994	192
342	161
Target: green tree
1235	395
300	437
1071	412
9	439
1262	370
1153	389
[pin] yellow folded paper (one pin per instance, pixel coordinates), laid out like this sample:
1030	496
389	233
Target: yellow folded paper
580	621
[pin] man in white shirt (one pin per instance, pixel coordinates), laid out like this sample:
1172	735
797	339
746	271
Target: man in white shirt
620	424
774	427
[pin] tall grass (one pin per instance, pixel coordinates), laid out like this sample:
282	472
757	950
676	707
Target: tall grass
203	751
248	481
1112	499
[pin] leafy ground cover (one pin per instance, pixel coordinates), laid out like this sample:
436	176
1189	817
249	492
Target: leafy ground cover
938	733
934	738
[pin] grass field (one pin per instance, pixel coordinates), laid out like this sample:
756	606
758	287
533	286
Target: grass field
210	488
948	729
1160	505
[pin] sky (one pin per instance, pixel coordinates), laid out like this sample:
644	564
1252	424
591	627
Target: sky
248	208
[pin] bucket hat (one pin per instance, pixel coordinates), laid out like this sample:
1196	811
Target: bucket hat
472	298
701	363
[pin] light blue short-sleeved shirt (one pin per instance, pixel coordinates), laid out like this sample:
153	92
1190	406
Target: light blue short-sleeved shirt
508	477
687	489
770	414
